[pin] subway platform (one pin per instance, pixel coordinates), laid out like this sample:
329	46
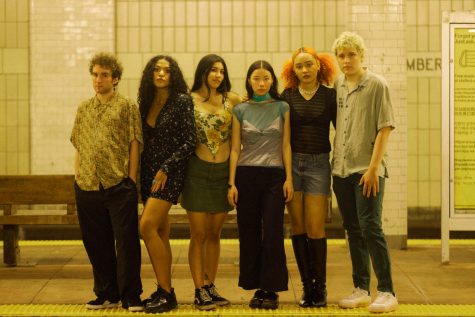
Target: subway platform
54	278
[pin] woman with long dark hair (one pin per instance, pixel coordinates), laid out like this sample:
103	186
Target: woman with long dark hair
205	193
260	183
169	141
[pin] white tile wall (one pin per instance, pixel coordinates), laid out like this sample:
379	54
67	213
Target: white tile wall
226	13
145	18
371	19
11	11
73	42
14	82
227	39
12	164
31	29
3	134
15	61
157	18
12	142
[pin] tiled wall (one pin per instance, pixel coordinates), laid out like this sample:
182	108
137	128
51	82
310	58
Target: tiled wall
14	87
64	34
241	31
382	24
423	38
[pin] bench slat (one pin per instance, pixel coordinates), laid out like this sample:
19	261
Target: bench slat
39	220
37	189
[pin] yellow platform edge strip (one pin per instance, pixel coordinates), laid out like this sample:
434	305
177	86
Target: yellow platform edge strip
237	311
410	242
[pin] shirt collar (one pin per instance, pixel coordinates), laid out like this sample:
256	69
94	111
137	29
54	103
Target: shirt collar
362	83
98	103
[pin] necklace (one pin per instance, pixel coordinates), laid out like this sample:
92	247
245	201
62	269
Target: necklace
308	92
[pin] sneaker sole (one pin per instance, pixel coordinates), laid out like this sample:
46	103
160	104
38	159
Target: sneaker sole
96	307
382	309
135	309
159	310
207	307
221	303
353	306
269	306
255	305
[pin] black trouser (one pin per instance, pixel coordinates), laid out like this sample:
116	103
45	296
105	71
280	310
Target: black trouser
260	214
109	225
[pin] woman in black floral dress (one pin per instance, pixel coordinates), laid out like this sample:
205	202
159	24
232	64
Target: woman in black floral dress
169	141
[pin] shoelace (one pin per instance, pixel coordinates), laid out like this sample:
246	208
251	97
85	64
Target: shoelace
357	292
382	296
205	296
213	291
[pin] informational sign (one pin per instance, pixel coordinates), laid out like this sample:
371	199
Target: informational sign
458	126
464	118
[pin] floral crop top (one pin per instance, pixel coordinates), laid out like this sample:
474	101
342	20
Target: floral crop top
214	129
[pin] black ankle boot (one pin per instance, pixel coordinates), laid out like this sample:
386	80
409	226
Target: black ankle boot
300	245
318	248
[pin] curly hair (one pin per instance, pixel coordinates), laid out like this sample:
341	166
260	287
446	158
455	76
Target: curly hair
349	40
202	71
147	87
107	60
325	75
265	65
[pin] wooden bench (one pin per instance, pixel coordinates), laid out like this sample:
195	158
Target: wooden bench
33	190
18	190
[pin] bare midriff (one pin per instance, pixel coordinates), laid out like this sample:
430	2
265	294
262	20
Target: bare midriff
203	152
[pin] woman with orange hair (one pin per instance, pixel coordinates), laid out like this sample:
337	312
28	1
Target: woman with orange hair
312	108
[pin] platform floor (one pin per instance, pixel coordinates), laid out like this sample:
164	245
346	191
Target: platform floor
55	279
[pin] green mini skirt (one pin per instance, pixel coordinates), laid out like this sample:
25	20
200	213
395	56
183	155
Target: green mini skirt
206	186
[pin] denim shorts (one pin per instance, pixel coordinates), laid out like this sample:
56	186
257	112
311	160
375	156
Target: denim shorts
311	173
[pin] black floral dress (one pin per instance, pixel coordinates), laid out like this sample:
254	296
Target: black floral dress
168	146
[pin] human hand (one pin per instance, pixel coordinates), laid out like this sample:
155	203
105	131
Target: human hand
288	190
233	196
370	182
159	181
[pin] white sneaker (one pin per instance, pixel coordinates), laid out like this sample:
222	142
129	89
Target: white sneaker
359	298
385	302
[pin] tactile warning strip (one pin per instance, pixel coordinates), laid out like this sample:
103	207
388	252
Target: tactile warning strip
238	311
410	242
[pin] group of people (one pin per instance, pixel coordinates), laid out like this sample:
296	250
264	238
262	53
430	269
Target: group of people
212	151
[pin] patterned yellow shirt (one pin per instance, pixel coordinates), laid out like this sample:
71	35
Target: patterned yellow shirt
102	134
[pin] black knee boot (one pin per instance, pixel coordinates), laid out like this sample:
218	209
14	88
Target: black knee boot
318	251
301	248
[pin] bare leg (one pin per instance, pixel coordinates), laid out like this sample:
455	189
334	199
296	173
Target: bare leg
197	246
155	229
315	211
212	245
296	212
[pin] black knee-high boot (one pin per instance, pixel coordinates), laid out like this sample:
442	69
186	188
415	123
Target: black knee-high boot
318	251
301	248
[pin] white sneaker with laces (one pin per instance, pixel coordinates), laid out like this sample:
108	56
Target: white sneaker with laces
385	302
359	298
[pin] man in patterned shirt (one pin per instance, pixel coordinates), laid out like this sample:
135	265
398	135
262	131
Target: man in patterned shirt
107	136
